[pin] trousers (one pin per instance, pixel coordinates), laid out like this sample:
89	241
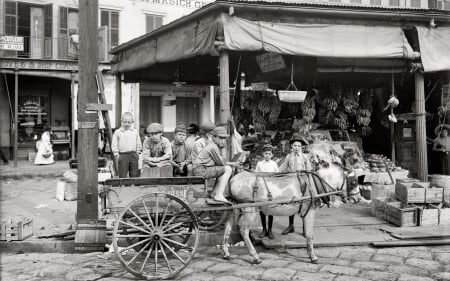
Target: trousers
128	164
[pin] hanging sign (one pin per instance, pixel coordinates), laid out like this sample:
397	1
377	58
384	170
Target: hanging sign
11	43
270	61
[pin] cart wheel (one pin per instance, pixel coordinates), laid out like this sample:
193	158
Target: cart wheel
210	220
162	233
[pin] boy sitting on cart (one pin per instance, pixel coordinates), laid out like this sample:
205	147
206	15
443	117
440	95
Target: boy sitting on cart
157	151
181	158
210	163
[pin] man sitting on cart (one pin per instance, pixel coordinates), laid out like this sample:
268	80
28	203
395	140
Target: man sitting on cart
157	151
210	163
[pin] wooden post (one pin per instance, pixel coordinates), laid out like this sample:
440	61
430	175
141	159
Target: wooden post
16	109
88	239
224	86
392	124
74	115
421	144
118	101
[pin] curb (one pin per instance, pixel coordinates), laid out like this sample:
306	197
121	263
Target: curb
20	176
34	245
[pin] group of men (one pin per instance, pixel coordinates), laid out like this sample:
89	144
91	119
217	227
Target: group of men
194	151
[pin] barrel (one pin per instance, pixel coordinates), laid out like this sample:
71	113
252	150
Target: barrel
90	236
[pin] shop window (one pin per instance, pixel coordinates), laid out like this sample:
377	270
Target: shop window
33	117
375	2
68	33
188	110
152	22
110	19
394	3
10	25
415	3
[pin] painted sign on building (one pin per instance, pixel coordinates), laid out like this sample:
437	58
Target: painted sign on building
11	43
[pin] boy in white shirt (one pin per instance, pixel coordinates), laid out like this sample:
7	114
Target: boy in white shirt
270	166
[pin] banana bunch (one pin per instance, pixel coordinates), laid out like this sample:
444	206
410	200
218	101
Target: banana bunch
259	126
392	118
330	104
393	102
264	105
341	123
309	108
275	111
363	116
293	108
350	102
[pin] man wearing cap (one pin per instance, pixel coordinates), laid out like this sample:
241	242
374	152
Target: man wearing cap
211	164
202	142
180	152
295	161
157	151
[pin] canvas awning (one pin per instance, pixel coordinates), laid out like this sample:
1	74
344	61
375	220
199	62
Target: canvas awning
434	48
317	40
334	41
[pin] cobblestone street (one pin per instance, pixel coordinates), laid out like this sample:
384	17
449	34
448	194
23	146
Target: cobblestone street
336	263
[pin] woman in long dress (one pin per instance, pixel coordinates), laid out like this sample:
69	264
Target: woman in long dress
44	155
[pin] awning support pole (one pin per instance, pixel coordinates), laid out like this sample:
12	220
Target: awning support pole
16	109
421	144
118	101
224	86
74	115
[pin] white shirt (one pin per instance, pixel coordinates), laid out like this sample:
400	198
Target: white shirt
267	166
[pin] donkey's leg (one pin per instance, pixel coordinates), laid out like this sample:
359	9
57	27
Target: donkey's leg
308	225
226	236
249	215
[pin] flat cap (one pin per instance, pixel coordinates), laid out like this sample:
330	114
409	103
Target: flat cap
220	132
267	147
155	128
180	128
207	127
193	128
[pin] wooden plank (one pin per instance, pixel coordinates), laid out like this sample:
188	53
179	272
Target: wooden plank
155	181
404	243
418	232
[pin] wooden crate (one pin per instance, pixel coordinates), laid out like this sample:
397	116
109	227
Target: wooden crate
428	214
444	214
16	229
418	192
382	190
401	214
157	172
379	205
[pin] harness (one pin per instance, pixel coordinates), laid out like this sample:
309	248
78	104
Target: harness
304	178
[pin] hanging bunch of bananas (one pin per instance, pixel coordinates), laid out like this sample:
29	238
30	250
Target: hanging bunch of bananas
309	108
364	111
340	119
275	110
330	104
294	109
264	105
350	101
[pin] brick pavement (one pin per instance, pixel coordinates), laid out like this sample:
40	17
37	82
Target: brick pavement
341	264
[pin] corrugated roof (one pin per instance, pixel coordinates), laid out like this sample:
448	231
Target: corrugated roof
328	4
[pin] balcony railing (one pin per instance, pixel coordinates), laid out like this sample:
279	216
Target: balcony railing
61	48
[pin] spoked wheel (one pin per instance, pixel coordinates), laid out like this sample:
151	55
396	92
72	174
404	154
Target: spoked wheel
209	220
162	236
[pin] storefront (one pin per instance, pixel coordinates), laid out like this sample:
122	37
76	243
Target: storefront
355	57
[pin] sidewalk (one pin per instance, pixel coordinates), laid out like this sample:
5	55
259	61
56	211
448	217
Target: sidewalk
27	169
30	191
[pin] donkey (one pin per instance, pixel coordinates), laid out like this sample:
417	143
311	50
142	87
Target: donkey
250	187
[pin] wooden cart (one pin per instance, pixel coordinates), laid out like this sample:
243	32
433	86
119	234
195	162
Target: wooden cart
157	221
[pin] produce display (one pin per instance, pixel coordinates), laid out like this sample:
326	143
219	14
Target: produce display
380	163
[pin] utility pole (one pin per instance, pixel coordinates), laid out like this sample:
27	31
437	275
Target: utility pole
91	233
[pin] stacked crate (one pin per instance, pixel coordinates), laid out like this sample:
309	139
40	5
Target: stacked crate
415	203
16	229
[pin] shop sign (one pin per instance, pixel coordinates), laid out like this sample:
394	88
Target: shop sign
11	43
38	65
193	4
270	62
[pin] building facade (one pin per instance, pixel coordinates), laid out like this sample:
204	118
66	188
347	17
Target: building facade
46	69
